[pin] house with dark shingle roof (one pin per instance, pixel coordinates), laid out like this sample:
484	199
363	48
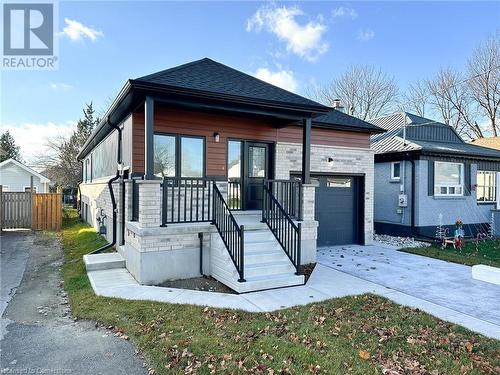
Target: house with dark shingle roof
426	175
202	169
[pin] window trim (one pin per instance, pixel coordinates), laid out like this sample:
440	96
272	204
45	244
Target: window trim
484	187
461	185
178	152
394	178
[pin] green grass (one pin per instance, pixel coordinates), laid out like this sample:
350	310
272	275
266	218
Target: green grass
484	252
355	335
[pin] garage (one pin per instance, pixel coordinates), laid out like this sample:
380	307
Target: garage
338	209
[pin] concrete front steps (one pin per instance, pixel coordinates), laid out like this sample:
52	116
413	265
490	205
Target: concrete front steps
266	266
105	261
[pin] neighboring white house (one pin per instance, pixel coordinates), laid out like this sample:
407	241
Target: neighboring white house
15	176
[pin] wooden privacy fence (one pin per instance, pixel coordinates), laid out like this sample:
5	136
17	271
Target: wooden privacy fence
16	210
38	211
46	211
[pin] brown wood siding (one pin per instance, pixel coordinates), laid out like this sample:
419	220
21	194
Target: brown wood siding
175	121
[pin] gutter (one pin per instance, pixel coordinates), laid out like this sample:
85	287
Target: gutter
110	187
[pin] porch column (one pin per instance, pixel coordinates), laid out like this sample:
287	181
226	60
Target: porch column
306	151
150	203
309	226
149	138
497	186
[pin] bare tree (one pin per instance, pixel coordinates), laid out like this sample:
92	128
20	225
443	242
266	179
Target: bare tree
451	97
484	84
61	164
365	91
416	98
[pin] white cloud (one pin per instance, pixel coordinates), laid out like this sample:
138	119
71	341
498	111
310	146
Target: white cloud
304	40
281	78
33	138
345	12
77	31
60	86
365	35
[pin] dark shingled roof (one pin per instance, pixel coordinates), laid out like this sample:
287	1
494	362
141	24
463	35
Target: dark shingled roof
210	76
424	135
336	117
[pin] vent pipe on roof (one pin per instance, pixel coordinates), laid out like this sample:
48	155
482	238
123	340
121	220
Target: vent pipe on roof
337	105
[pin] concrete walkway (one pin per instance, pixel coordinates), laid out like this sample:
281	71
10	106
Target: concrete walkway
325	283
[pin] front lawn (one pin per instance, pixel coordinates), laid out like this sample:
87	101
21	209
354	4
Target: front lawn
355	335
485	252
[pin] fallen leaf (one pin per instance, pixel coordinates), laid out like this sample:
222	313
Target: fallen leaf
364	354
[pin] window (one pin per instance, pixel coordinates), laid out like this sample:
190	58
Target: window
178	156
27	189
234	160
192	156
486	186
395	170
164	155
256	161
338	182
448	178
5	187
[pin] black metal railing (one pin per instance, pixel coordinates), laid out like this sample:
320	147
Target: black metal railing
283	227
186	200
289	195
234	193
231	233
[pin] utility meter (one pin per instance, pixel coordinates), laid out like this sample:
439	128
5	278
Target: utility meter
403	200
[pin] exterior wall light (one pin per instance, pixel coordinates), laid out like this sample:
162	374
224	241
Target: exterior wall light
330	161
216	137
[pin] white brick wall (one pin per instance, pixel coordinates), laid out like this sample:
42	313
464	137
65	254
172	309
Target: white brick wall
345	160
96	196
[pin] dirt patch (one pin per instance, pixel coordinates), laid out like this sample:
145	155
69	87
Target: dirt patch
205	283
307	270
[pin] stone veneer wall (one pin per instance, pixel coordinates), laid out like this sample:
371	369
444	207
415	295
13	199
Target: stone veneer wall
345	160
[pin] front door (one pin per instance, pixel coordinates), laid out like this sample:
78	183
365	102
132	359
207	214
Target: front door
256	170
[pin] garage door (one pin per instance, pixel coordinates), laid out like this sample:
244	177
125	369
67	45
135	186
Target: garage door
337	209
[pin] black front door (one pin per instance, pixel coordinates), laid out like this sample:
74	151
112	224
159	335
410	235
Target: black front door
256	170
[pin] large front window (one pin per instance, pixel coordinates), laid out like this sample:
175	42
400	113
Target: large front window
178	156
164	155
486	186
448	178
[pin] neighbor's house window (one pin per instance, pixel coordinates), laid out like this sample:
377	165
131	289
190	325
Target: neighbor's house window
486	186
448	178
27	189
395	170
178	156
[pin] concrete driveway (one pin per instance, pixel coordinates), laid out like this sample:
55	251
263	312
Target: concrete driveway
38	334
442	283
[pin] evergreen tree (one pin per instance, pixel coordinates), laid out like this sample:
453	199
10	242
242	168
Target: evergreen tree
9	148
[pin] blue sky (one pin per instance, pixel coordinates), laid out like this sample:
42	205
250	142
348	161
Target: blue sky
293	44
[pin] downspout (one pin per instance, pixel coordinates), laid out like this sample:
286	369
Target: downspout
200	236
79	202
110	187
413	184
